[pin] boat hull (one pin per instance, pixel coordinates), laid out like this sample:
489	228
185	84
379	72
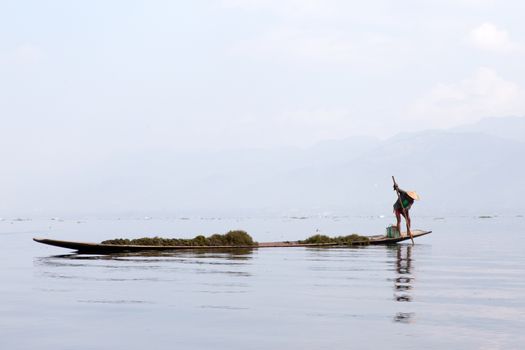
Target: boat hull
99	248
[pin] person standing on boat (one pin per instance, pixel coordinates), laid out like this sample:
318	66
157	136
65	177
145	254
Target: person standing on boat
402	207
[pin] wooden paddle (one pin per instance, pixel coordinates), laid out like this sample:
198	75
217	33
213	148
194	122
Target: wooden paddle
403	208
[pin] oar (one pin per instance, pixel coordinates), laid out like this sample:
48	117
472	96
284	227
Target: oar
403	208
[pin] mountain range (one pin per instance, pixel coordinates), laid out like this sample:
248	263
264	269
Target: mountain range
475	169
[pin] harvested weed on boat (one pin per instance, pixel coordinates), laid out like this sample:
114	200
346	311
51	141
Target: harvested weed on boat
233	239
230	239
353	239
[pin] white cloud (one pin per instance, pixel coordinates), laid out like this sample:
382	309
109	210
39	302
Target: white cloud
485	94
23	54
479	2
286	8
298	45
297	127
300	34
490	38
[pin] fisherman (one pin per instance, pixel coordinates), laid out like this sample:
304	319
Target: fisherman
402	207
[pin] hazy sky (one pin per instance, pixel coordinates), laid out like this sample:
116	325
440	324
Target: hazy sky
98	77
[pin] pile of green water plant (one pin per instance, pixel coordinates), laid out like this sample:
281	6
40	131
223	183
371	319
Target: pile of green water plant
231	238
353	239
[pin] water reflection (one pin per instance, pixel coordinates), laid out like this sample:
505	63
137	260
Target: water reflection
145	266
404	280
226	254
404	317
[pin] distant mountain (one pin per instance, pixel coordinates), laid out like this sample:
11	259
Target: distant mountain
473	170
512	128
457	173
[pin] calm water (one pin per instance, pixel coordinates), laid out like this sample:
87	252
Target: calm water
462	287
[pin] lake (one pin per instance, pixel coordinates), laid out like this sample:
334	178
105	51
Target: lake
461	287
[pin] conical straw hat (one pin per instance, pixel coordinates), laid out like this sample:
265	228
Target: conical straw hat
413	195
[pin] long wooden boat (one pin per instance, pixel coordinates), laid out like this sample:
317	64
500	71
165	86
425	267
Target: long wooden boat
99	248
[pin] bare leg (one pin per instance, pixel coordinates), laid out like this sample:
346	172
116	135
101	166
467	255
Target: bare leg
409	224
407	219
398	224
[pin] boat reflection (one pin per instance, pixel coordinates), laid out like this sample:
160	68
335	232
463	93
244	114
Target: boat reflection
146	266
226	254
